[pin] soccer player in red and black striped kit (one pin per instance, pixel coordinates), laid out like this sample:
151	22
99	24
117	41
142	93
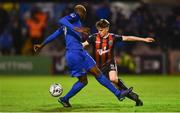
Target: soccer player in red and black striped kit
103	43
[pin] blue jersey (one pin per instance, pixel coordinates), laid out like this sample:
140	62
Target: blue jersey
78	60
72	37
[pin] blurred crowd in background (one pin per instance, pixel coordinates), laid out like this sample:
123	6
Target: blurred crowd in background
24	24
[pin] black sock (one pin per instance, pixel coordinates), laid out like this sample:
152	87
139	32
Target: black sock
121	85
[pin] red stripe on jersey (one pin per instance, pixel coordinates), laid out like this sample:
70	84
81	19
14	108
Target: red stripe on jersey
104	47
97	46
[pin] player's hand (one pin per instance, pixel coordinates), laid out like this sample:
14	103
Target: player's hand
37	47
84	30
149	40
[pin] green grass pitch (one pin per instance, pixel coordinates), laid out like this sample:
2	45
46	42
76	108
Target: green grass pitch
31	94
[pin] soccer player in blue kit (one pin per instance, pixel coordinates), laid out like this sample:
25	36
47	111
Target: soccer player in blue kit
78	60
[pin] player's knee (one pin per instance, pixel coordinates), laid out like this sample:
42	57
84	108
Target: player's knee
95	71
83	80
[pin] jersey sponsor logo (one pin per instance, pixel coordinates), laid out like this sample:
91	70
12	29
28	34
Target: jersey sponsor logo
98	42
101	51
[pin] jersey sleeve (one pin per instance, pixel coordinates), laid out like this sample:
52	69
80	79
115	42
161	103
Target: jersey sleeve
72	17
91	38
117	37
53	36
66	21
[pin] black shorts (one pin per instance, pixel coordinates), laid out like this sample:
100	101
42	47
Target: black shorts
109	66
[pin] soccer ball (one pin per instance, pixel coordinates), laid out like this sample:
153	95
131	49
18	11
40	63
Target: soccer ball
56	90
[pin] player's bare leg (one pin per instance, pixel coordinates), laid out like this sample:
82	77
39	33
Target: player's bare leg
82	81
106	83
133	96
113	77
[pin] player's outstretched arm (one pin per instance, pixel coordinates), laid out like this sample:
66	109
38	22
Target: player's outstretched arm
134	38
53	36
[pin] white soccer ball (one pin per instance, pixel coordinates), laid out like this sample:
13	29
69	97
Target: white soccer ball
56	90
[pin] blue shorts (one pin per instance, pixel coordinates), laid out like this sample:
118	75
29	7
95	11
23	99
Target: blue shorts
79	62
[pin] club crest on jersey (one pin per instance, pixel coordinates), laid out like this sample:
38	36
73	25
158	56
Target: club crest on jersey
110	42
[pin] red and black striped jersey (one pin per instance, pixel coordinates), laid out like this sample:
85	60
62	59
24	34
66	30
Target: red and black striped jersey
103	47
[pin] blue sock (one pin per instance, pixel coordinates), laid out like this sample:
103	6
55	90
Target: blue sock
106	83
74	90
